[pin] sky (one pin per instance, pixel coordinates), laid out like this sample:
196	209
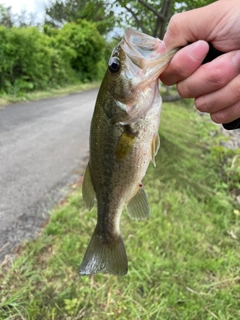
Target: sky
33	6
37	7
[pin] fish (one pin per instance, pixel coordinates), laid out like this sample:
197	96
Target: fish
123	140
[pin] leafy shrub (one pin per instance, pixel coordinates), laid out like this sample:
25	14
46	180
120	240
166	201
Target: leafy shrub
89	47
31	59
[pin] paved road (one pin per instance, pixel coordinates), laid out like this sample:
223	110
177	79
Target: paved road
43	150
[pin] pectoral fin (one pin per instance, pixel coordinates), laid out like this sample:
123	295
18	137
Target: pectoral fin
125	143
154	148
87	189
138	208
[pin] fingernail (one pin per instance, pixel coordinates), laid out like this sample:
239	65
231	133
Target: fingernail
236	59
199	50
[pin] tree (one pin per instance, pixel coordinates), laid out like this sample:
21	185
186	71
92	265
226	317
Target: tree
88	45
191	4
152	16
59	12
6	17
26	19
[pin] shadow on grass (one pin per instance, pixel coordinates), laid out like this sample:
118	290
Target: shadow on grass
184	169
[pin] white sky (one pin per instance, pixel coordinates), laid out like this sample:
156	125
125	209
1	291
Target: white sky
33	6
30	5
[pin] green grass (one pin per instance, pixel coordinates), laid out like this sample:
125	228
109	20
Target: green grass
184	261
6	99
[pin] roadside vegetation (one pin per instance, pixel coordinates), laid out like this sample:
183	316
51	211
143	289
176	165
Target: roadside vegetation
183	261
72	44
67	50
35	60
48	93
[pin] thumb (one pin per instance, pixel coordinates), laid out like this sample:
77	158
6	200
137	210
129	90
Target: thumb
190	26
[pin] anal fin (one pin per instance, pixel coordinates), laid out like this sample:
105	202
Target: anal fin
137	207
88	190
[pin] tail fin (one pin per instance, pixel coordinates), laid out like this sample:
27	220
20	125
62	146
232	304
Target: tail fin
104	257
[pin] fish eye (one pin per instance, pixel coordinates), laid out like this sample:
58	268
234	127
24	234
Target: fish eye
114	65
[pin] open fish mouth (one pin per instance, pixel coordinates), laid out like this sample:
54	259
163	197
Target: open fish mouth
141	45
145	51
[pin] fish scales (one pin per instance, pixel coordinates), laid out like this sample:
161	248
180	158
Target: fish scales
123	140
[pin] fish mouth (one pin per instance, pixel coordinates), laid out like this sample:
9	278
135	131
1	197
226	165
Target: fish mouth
140	46
145	51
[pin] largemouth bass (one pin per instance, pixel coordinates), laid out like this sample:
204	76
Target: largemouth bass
123	140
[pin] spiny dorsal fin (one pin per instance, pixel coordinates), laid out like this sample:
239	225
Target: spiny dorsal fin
154	148
88	190
137	207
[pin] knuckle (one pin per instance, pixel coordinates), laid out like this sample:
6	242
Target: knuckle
201	104
236	88
174	21
175	24
183	90
219	117
216	77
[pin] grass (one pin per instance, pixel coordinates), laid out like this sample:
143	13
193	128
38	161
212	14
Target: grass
6	99
183	261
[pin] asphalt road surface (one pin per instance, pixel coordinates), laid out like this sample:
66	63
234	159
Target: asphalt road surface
43	151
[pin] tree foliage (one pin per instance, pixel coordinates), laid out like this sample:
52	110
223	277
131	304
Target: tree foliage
26	19
191	4
152	16
31	59
22	19
6	17
59	12
84	39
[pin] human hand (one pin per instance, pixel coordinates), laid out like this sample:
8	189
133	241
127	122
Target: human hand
215	85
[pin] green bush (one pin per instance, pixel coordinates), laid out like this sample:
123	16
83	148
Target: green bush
33	60
28	60
89	47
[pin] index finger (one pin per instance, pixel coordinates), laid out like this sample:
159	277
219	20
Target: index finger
185	62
